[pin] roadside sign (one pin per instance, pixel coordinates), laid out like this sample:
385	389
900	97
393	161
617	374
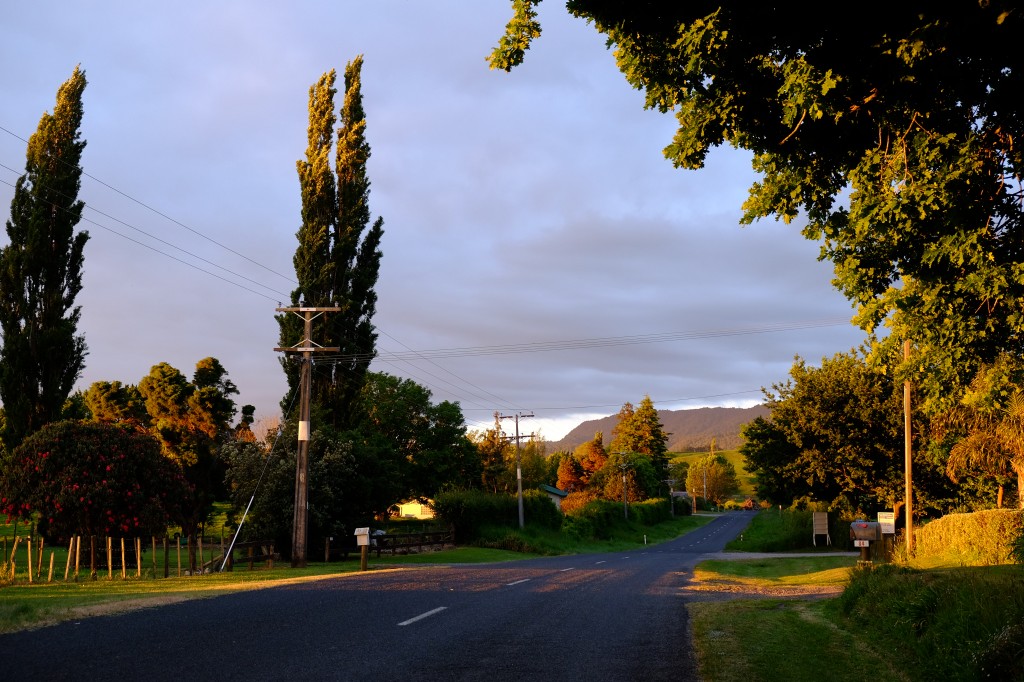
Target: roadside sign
887	520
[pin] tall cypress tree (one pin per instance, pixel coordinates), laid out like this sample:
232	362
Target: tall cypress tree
41	273
338	258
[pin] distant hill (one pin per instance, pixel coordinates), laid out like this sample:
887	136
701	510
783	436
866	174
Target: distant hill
690	430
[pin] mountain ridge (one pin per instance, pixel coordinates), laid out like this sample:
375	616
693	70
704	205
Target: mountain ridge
689	430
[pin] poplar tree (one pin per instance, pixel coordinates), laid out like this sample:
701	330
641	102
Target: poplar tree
338	258
41	273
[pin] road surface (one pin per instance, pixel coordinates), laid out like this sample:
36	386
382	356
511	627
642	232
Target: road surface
616	616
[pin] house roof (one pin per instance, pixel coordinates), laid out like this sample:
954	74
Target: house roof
552	490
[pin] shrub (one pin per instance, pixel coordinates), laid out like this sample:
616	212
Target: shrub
469	511
979	538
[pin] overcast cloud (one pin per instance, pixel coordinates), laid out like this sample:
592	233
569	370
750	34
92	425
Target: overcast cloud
522	208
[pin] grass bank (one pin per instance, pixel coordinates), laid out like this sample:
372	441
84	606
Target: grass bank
935	618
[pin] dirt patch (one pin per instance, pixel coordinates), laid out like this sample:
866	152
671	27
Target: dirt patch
725	589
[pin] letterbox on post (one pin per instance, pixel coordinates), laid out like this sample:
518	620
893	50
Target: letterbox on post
864	533
363	542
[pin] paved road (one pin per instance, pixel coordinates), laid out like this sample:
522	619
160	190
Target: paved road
617	616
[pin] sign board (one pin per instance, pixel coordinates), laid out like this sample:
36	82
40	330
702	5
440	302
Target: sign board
861	543
887	520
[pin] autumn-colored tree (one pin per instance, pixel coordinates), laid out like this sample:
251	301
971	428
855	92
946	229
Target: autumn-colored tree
640	430
570	475
591	456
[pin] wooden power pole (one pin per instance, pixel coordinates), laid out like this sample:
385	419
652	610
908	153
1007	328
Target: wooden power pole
519	467
908	494
306	347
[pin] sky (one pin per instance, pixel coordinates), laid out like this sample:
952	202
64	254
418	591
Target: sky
531	220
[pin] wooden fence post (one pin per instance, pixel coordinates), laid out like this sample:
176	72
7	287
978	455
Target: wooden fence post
39	564
110	558
78	555
179	556
153	537
167	556
124	571
29	563
67	566
49	578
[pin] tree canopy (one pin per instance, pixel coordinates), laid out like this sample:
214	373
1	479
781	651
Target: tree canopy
41	273
338	257
87	478
895	134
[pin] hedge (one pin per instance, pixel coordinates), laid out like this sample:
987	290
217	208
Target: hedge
985	537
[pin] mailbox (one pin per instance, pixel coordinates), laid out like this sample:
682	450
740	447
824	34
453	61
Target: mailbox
869	531
863	533
362	537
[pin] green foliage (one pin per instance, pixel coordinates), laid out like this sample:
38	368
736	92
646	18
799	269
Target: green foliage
774	530
427	442
469	512
191	419
84	478
521	29
835	435
713	477
338	257
41	273
981	538
896	140
952	625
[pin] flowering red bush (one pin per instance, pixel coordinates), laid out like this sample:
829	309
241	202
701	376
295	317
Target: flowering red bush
89	478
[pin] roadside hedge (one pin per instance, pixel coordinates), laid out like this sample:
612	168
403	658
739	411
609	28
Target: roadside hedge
982	538
470	511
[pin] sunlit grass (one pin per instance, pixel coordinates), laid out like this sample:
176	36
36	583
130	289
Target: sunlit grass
789	571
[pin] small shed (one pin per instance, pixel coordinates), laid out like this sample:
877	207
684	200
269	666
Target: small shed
554	494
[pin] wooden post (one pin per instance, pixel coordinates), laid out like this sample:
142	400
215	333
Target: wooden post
49	577
39	564
167	557
364	550
92	557
153	538
327	549
78	555
199	566
124	570
179	556
138	557
30	543
110	558
909	492
250	557
67	566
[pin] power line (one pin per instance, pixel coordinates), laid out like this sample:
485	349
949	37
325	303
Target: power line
167	217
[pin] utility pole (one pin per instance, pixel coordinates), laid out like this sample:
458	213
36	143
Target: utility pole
519	467
908	493
307	348
623	466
